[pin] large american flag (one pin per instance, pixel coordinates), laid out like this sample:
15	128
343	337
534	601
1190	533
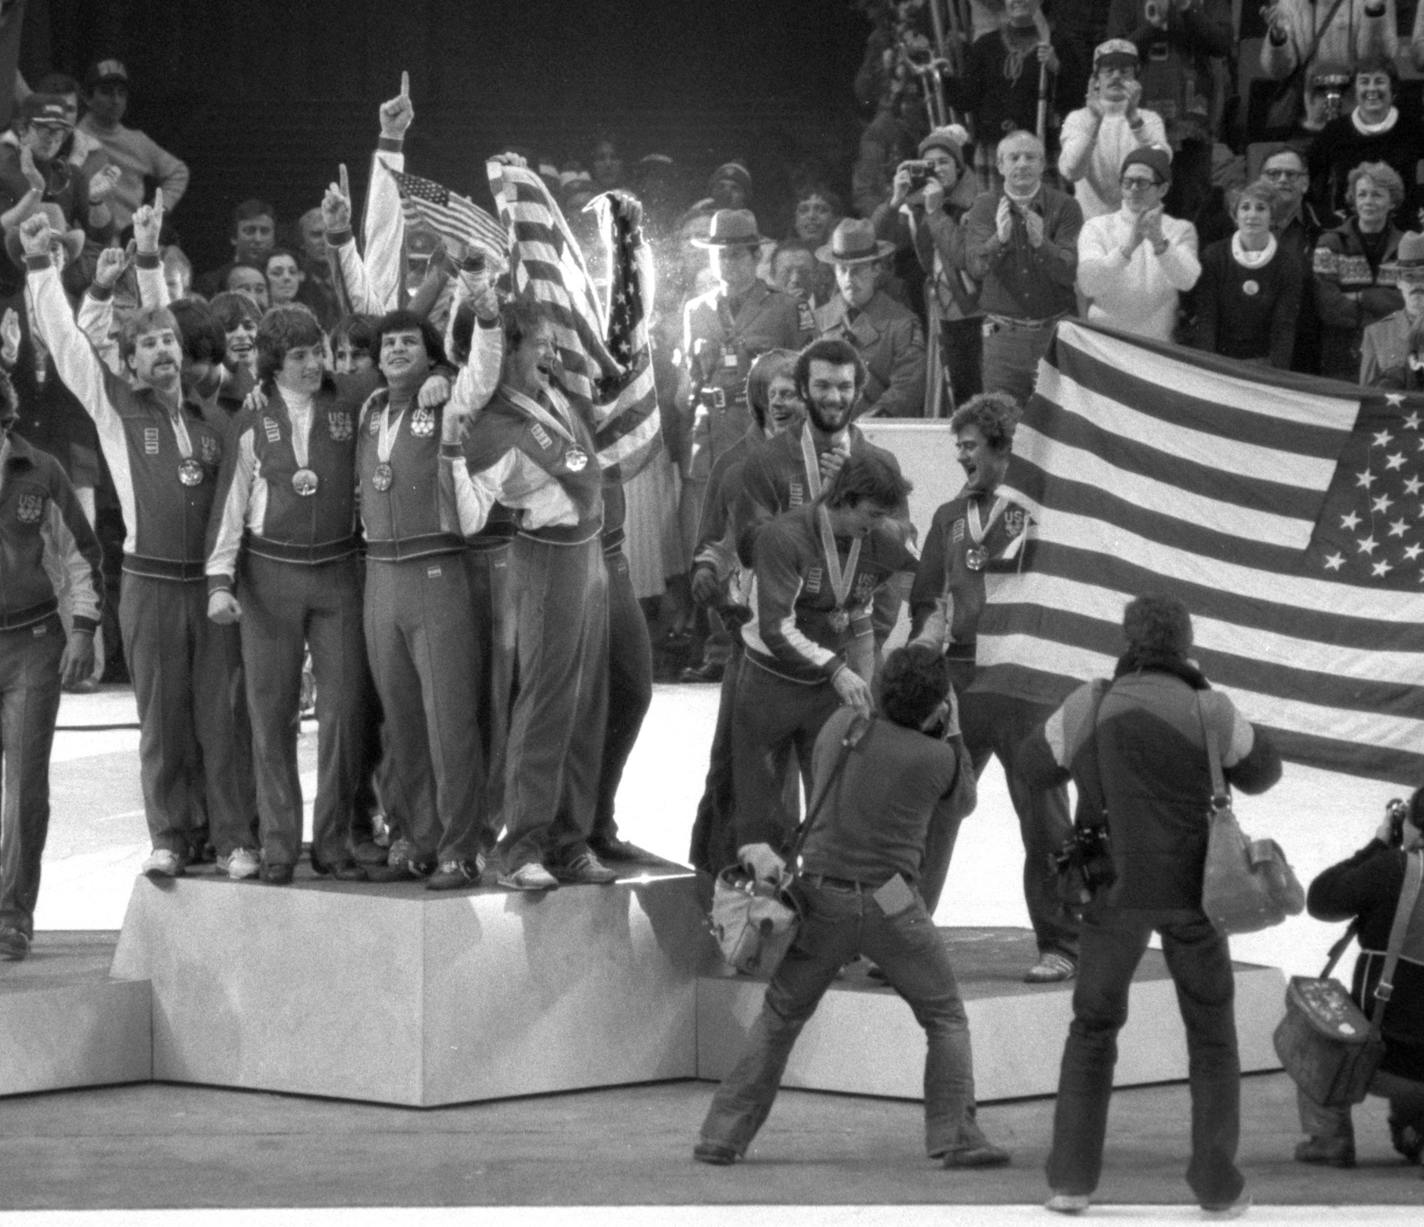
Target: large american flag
1285	512
449	214
546	264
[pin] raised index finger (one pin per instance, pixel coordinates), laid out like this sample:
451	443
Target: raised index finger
343	180
158	202
405	84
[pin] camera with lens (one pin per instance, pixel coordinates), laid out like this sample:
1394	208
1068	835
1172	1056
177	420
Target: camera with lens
1395	812
1084	865
920	173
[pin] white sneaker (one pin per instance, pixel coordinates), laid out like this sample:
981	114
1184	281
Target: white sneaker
1068	1203
163	863
240	863
529	876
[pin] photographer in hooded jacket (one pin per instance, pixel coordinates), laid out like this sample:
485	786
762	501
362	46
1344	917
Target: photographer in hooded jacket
1366	888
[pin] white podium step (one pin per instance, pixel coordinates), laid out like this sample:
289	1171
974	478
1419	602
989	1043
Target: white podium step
863	1039
64	1023
399	995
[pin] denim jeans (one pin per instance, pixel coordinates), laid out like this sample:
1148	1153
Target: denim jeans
1111	946
1406	1109
840	924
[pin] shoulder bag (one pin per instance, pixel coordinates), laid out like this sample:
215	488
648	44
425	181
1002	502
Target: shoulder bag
1325	1042
1247	884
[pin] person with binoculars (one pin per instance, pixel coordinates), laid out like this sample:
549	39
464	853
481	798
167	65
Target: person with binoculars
1365	889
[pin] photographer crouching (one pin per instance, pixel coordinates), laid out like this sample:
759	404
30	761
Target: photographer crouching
1367	887
856	888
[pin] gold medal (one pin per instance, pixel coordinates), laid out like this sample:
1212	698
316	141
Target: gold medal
839	620
305	482
190	472
382	476
975	558
576	459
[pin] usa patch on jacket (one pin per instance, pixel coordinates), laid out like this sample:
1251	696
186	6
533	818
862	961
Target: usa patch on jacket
338	426
29	508
422	423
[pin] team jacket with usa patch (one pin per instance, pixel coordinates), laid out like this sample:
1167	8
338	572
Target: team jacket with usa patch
258	506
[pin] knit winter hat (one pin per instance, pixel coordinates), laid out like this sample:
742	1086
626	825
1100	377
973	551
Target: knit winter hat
952	138
1157	159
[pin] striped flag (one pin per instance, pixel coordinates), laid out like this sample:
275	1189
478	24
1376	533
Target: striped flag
449	214
1285	512
547	265
628	433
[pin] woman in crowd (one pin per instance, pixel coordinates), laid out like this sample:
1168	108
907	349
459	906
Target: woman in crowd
1248	297
1354	268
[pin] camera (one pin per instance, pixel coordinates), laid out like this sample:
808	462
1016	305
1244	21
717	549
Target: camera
1396	811
920	173
1083	865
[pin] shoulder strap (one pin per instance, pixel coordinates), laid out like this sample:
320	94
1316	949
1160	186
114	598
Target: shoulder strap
1220	794
1100	690
855	731
1408	896
1317	36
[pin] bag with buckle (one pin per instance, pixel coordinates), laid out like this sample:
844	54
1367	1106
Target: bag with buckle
754	923
1247	884
1327	1045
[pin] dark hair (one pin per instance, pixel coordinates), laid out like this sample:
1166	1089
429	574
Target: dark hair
250	208
358	330
281	251
1377	62
814	187
230	308
281	330
828	349
913	682
1157	625
866	477
57	83
520	318
791	244
996	414
401	320
1281	147
259	269
764	369
145	319
1416	808
204	337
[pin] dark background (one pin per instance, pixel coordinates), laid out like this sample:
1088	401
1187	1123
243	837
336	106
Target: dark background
264	98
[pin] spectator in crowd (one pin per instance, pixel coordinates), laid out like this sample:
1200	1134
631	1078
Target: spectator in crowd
1135	748
1365	889
238	314
282	564
44	533
1303	33
1003	80
730	186
1297	227
606	163
1135	263
1388	344
1374	131
1355	270
318	289
284	277
796	272
137	157
254	234
1249	297
924	219
861	862
1021	244
1097	137
810	644
194	747
719	580
33	171
351	344
887	336
249	280
1177	41
177	272
891	137
978	532
79	149
818	209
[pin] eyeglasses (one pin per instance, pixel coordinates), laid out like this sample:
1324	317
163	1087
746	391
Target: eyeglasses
1131	183
1282	173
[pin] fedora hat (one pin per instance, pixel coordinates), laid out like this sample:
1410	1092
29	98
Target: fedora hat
72	240
853	241
731	228
1410	257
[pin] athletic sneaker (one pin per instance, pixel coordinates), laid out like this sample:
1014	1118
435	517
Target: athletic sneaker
585	869
453	874
240	863
163	863
529	876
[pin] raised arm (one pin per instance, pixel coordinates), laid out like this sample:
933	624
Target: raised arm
385	224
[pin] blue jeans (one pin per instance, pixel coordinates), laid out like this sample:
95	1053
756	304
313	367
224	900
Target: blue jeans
840	924
1111	946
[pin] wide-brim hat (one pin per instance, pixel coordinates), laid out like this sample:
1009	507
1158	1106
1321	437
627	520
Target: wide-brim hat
853	241
1409	258
72	240
731	228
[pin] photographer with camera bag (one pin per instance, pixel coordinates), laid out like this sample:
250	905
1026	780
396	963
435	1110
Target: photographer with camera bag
857	888
1366	889
1139	756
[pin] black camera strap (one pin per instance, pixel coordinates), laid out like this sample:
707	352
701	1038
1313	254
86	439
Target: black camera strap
1099	822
